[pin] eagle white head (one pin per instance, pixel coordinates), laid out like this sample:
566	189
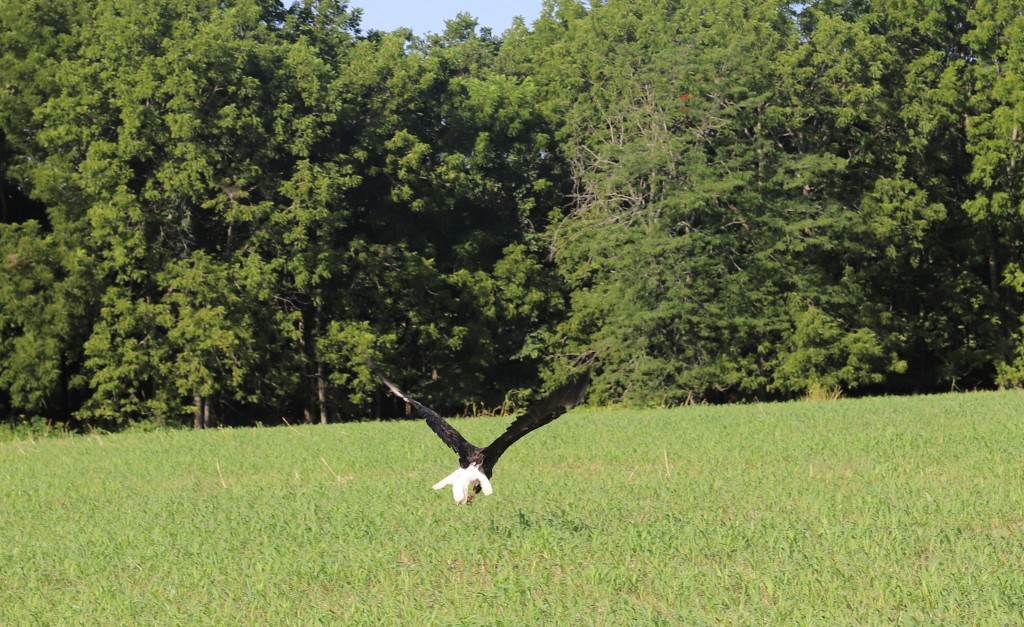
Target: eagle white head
463	481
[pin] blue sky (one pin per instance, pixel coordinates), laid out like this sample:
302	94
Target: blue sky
429	15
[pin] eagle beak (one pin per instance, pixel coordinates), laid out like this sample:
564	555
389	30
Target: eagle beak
462	480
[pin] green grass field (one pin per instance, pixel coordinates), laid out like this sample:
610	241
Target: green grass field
907	510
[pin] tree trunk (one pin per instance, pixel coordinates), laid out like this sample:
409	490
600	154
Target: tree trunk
307	401
321	391
197	420
321	383
306	388
208	416
203	416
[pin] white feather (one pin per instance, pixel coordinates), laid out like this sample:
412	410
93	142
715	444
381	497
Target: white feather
448	480
463	480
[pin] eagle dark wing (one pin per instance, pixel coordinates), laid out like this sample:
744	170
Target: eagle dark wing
439	425
537	415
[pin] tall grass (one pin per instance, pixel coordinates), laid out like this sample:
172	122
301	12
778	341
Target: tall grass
849	512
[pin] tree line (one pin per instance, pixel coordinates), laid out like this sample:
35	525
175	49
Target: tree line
215	212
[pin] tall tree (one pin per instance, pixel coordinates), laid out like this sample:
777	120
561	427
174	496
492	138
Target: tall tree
996	143
48	282
456	181
265	198
216	211
699	210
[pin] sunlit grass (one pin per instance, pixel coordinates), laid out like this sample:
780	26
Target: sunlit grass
848	512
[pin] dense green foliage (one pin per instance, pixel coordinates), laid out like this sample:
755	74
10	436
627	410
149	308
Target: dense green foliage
857	512
217	211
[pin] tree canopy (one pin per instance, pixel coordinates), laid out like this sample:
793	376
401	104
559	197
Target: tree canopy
214	212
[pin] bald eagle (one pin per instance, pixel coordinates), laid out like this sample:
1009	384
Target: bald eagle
476	464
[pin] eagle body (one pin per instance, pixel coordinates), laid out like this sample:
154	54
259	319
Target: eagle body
476	464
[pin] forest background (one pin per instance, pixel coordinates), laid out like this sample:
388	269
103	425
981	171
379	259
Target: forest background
215	211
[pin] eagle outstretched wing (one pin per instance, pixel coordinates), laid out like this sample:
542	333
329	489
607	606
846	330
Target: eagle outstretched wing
438	425
537	415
